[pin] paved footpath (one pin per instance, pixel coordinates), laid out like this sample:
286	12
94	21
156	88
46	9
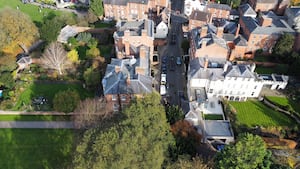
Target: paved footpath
37	124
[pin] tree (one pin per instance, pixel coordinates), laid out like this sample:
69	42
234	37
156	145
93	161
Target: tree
187	163
234	3
16	28
56	23
84	37
186	137
55	57
92	77
138	138
7	80
93	52
90	112
73	56
96	7
284	46
66	101
174	114
248	153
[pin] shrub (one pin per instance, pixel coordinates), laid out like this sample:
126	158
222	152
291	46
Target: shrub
66	101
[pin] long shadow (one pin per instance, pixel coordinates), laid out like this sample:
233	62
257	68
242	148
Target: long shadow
36	148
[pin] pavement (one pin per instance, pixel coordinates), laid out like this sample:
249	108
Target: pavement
37	124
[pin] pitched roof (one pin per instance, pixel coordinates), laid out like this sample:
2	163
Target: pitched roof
200	16
239	71
247	10
211	38
267	1
219	6
124	2
240	41
278	25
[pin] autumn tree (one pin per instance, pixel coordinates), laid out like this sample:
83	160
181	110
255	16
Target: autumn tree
90	112
55	57
16	28
73	56
66	101
248	153
138	138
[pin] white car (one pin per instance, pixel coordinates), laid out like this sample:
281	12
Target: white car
163	90
163	79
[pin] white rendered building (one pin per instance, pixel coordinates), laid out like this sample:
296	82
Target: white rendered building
191	5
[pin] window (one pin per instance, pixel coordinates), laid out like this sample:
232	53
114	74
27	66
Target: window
115	107
211	90
252	93
255	87
114	98
123	98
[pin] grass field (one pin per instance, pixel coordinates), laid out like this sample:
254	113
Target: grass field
35	148
48	91
284	101
279	69
213	117
34	118
253	113
31	10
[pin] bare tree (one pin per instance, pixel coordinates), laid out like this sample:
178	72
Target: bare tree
55	57
90	112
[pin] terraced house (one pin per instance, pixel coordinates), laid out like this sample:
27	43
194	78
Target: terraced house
132	9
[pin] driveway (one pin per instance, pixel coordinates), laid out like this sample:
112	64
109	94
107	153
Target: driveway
37	124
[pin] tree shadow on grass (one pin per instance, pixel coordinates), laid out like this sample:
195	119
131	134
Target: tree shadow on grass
36	148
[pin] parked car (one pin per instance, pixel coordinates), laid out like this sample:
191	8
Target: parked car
163	90
163	67
163	78
178	60
164	59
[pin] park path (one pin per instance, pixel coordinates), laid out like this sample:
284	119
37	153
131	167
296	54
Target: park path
37	124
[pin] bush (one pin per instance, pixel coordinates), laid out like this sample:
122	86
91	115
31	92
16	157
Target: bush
66	101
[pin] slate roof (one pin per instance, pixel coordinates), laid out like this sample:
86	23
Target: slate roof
124	2
200	15
210	39
246	10
239	71
135	27
278	25
294	10
116	82
267	1
240	41
219	6
215	70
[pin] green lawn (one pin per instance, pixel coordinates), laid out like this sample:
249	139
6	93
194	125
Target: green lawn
284	101
253	113
31	10
35	148
34	118
213	117
48	91
279	69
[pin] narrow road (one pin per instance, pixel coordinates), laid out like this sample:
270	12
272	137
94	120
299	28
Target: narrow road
37	124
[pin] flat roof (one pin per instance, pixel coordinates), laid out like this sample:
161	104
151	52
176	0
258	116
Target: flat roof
217	128
213	106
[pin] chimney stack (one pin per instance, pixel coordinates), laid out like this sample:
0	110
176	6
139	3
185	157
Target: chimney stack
237	30
265	21
127	33
220	32
127	48
225	67
203	31
203	43
252	67
205	63
144	33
